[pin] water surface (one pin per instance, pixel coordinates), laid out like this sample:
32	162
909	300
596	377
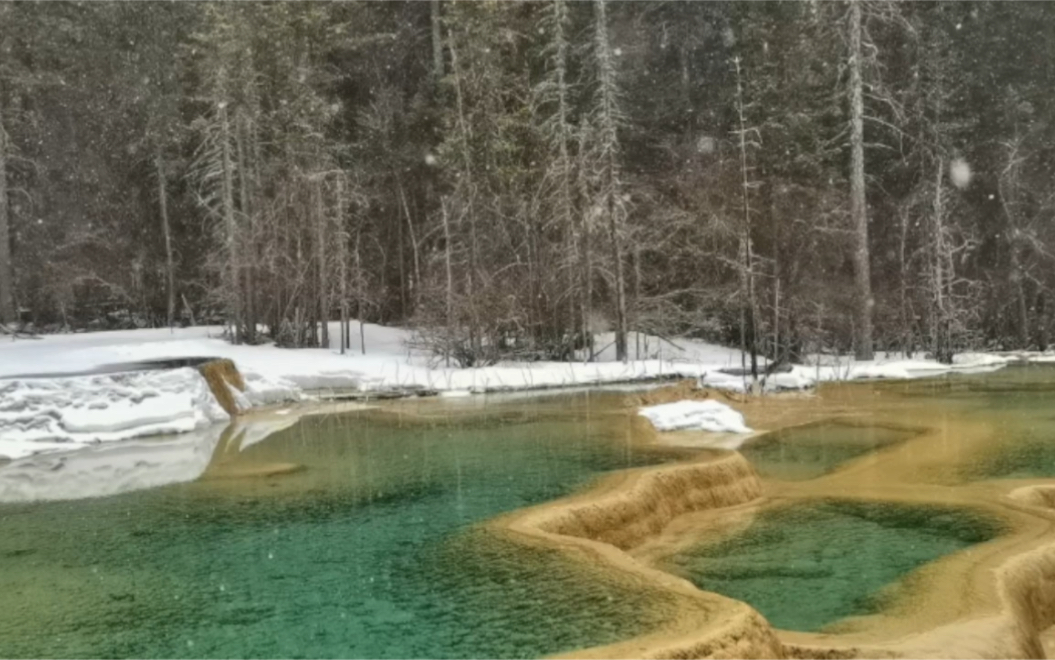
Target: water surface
805	566
810	451
374	548
369	551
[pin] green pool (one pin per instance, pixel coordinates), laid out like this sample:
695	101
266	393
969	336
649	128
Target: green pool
805	566
1015	406
369	552
810	451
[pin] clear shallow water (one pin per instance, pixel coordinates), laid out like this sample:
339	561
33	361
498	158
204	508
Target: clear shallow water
808	452
1015	405
805	566
1030	454
370	551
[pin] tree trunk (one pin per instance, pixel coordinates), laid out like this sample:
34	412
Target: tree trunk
413	246
1018	277
437	39
7	284
565	206
170	274
248	311
906	321
1042	321
320	258
7	273
586	301
747	267
361	292
450	282
778	352
342	265
942	347
636	308
610	174
858	207
233	297
401	248
621	330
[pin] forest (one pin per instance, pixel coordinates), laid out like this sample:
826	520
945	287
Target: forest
511	178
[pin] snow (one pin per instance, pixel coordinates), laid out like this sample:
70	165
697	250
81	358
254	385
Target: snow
960	172
63	412
47	414
708	415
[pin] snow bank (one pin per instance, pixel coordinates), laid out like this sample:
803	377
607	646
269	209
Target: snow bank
707	415
48	414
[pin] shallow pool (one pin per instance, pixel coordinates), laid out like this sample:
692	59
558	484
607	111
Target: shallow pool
810	451
369	550
805	566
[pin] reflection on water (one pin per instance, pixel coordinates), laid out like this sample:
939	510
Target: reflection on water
365	552
109	469
807	565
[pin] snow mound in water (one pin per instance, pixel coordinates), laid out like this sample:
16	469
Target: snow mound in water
50	414
695	415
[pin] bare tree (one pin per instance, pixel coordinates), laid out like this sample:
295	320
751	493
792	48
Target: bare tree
7	284
436	22
858	204
610	202
748	306
232	293
166	230
553	98
7	273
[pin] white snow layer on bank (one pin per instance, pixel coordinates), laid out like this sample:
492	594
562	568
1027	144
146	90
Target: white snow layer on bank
49	414
708	415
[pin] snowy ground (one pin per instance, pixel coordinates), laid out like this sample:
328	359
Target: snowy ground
54	414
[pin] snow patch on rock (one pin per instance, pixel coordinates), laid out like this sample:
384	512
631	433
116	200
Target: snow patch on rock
707	415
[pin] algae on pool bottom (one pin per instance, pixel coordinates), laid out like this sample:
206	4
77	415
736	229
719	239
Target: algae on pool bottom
805	566
365	553
809	451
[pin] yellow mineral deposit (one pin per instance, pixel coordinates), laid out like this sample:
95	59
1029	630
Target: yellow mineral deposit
995	600
222	375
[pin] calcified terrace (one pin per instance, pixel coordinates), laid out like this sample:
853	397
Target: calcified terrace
995	600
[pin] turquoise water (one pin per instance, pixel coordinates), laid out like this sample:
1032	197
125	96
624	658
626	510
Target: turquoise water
805	566
370	551
1028	454
1015	404
808	452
